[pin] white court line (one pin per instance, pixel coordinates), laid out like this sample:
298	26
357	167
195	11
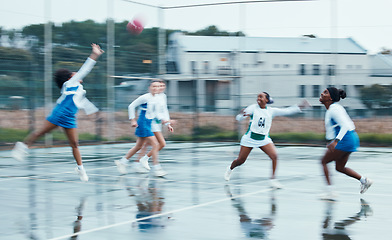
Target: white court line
160	214
7	178
51	163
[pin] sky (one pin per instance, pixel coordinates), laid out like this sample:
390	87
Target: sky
367	22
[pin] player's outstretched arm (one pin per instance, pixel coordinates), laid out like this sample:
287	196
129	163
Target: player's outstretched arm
96	51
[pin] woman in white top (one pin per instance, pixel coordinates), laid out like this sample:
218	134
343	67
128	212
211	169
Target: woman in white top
258	132
340	131
161	117
147	104
64	114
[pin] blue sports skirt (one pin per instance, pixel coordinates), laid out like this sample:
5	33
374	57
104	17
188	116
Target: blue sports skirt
62	117
349	143
144	126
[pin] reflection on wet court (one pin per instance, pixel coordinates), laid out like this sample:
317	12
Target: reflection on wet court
44	199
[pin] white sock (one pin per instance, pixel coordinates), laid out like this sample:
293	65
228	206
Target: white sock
146	157
80	167
123	160
362	180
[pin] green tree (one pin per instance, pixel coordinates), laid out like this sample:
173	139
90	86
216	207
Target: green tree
376	96
214	31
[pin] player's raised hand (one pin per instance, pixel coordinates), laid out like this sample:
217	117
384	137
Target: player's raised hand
96	51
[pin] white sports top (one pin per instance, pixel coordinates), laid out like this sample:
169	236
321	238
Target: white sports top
73	87
261	119
337	122
146	102
162	113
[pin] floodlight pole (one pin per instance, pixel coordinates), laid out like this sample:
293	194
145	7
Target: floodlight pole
110	71
48	67
161	43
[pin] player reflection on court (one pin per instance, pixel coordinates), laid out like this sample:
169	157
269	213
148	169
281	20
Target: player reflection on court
149	201
77	226
337	230
254	228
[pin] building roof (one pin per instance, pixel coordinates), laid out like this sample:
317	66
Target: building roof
269	44
381	65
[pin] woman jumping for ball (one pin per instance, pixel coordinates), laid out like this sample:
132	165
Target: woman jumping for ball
340	130
258	132
64	114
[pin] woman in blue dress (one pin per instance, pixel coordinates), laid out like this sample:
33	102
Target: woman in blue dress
64	114
147	104
340	131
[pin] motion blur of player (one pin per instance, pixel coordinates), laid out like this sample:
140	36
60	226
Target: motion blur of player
64	114
147	104
162	117
257	135
340	130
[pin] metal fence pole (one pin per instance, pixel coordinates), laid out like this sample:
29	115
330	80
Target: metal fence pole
110	72
48	67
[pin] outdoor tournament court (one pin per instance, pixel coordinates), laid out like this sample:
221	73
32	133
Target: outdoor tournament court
44	199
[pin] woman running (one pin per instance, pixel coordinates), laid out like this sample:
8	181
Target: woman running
64	114
162	117
147	104
340	130
258	132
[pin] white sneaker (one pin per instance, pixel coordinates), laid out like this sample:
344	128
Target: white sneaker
366	185
82	174
20	151
144	162
159	172
275	184
121	167
137	167
228	173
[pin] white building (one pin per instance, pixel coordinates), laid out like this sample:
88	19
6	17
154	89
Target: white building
228	72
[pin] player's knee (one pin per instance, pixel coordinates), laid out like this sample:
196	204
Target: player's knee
155	146
340	169
74	144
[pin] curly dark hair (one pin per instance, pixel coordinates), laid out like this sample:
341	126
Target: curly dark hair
336	94
61	76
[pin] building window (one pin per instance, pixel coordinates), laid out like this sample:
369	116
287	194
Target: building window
316	90
193	67
316	69
302	70
206	66
302	91
276	65
171	67
286	65
331	70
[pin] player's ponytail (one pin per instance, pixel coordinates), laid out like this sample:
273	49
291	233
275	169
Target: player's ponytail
342	94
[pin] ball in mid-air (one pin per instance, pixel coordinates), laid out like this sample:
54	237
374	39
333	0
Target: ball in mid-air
135	26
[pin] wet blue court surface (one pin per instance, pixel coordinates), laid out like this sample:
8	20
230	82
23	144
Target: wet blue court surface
44	199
